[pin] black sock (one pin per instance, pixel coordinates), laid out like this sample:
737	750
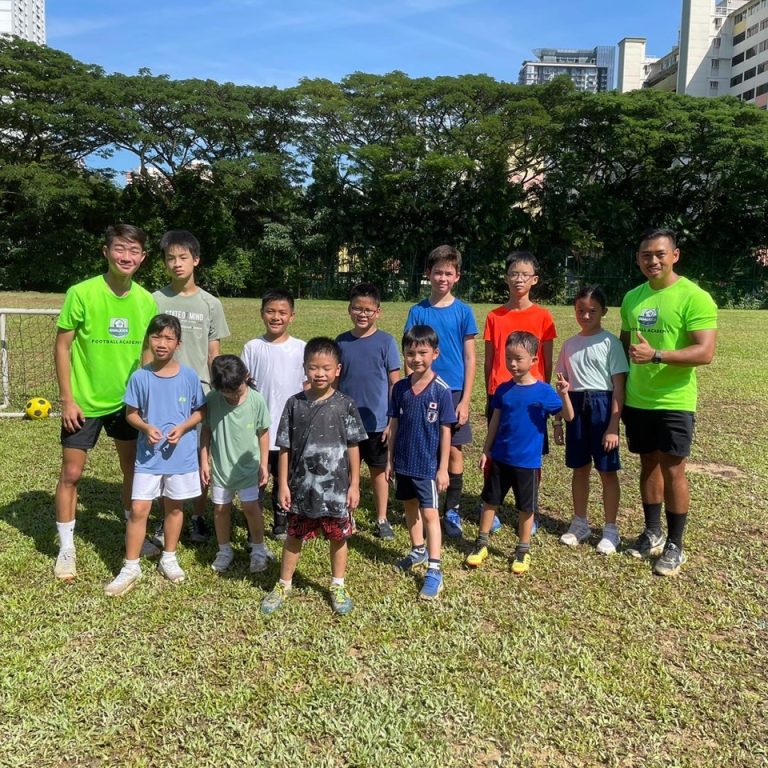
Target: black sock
433	564
522	549
455	487
652	514
420	548
676	527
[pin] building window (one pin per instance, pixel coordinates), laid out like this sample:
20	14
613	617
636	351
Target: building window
750	73
736	80
715	66
763	46
762	67
737	59
716	43
753	30
740	38
763	24
713	86
750	52
761	89
748	95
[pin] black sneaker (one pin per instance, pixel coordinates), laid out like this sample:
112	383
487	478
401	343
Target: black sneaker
280	526
670	561
384	530
199	532
648	544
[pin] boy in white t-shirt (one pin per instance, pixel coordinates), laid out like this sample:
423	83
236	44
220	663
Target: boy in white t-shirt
275	362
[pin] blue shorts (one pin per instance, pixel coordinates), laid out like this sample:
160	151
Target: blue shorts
584	435
408	488
460	435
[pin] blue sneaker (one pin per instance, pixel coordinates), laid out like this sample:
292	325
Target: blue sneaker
411	559
535	527
433	584
496	524
452	523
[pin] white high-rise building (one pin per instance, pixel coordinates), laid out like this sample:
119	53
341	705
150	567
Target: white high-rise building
23	18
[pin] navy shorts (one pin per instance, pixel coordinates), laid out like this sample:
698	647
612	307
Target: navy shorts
409	488
373	452
666	431
584	435
524	483
85	438
460	435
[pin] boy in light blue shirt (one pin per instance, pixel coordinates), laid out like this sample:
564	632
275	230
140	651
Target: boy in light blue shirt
164	402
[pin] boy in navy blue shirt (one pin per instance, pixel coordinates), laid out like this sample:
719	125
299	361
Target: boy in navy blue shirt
421	415
512	450
370	365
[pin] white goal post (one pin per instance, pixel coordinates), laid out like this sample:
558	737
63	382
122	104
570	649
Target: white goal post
26	358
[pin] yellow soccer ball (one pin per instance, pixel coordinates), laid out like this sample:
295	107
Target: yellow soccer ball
37	408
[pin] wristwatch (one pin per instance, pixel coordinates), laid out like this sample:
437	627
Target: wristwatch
656	356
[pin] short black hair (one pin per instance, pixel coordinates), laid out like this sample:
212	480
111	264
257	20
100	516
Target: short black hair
652	233
593	291
322	345
228	372
277	294
420	334
181	238
525	340
522	257
127	232
365	290
161	322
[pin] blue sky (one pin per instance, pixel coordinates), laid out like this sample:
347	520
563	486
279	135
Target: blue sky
277	42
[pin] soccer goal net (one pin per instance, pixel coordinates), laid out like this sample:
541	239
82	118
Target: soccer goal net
26	358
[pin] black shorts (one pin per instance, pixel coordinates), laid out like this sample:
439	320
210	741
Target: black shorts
523	482
666	431
373	452
87	436
425	491
460	435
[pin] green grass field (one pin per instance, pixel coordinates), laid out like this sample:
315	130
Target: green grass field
584	661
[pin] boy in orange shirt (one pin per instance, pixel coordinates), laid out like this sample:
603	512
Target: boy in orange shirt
518	314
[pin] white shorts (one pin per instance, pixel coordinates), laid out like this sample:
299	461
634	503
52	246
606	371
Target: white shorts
177	487
221	495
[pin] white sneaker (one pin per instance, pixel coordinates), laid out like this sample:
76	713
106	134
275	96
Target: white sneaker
65	565
171	570
260	559
610	541
223	560
148	549
577	533
123	582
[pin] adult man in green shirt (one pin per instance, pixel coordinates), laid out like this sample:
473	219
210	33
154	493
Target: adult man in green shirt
99	339
668	328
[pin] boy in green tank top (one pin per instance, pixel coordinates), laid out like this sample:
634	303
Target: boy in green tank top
668	328
99	338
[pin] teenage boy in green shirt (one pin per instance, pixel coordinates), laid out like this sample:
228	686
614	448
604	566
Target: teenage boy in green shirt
668	328
98	345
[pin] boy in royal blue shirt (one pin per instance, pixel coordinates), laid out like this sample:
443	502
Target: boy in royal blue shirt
421	416
370	365
455	326
512	450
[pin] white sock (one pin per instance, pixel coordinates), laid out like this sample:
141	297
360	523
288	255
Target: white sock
132	565
287	585
66	535
168	557
259	547
337	582
610	527
225	547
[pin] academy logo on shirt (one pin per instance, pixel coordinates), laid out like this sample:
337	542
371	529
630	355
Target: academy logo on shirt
432	413
118	327
648	317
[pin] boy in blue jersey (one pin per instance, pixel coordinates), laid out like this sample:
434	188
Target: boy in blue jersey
370	365
164	403
512	450
455	326
421	415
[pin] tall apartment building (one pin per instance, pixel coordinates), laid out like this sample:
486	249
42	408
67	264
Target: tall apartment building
590	69
23	18
723	50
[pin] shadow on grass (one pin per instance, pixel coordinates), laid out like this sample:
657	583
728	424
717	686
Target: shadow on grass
99	519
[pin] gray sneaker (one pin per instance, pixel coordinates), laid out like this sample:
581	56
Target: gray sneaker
670	561
172	571
223	560
65	565
158	538
123	582
199	532
148	549
260	559
648	544
384	530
